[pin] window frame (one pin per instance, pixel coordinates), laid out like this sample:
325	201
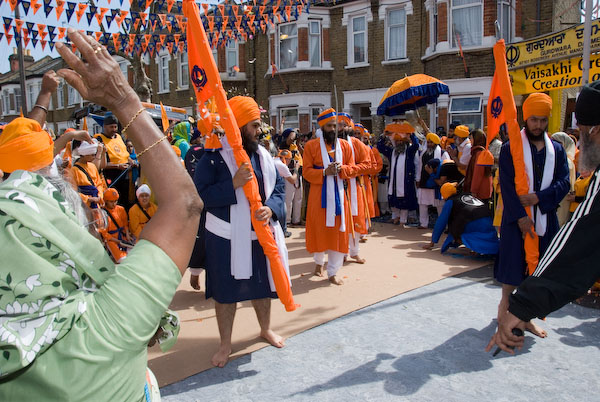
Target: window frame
500	16
388	34
294	124
314	124
451	36
351	34
319	40
456	115
72	99
163	87
279	42
60	96
6	102
236	51
181	72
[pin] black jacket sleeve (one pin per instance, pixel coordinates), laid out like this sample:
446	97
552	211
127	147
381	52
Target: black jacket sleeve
570	265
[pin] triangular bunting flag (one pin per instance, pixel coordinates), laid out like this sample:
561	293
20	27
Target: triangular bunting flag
97	35
26	6
36	6
60	7
70	10
61	32
170	5
91	13
18	25
13	4
109	19
80	10
100	17
43	42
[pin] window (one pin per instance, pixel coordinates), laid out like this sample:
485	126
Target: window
60	96
123	65
505	19
364	115
314	113
183	71
358	39
314	43
5	102
33	91
216	57
163	73
467	22
291	118
435	25
396	35
73	96
288	46
231	57
466	110
17	99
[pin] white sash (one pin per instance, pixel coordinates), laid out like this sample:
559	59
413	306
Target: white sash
330	184
241	236
541	220
398	173
353	192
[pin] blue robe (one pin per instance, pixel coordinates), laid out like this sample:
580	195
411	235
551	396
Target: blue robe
409	201
479	235
215	186
510	267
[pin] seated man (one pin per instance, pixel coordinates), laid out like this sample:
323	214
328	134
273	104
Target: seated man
116	234
469	222
142	211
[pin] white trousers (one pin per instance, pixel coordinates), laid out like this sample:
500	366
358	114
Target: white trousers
353	244
424	212
293	202
335	260
400	213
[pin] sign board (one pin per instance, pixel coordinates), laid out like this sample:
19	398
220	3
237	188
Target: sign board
557	45
551	76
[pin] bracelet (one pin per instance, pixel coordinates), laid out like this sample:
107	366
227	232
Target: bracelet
152	146
45	109
132	119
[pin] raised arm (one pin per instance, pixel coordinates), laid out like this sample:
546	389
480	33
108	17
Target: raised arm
100	80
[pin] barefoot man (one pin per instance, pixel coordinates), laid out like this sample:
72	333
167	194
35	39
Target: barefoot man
236	266
548	172
328	162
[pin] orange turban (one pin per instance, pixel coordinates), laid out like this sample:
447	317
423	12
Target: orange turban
346	118
326	116
448	190
537	104
245	109
461	131
400	128
24	145
111	194
433	138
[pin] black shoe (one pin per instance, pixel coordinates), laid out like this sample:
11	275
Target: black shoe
288	234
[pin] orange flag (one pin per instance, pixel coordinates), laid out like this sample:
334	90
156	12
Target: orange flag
84	126
164	118
206	81
509	110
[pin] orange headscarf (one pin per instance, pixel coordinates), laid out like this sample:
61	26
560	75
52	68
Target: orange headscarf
111	194
245	110
537	104
24	145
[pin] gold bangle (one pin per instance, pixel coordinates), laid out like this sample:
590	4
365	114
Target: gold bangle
151	146
132	119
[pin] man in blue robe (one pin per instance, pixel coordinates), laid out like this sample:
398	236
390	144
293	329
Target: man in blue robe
402	192
548	172
236	266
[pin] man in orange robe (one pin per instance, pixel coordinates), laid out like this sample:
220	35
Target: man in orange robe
370	178
356	189
327	162
117	231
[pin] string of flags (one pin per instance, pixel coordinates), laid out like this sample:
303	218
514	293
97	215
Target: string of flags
142	32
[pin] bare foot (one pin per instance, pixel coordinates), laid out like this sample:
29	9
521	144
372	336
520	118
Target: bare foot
536	330
194	282
357	259
273	338
221	358
319	270
333	279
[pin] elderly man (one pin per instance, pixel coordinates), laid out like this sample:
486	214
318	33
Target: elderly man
328	162
402	193
72	326
236	266
548	172
570	265
117	158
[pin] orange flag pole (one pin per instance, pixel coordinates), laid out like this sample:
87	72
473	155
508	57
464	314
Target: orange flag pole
509	109
207	83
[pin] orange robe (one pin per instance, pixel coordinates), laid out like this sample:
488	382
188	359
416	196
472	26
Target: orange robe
375	180
80	179
137	219
362	160
319	237
112	231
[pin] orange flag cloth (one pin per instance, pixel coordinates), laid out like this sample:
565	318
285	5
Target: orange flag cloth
24	145
206	81
508	108
164	118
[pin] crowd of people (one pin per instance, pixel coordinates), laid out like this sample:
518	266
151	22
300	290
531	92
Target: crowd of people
95	256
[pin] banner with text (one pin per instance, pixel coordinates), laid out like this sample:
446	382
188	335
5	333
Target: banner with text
554	46
558	75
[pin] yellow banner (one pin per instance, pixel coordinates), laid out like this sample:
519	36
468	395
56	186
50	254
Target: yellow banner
551	76
557	45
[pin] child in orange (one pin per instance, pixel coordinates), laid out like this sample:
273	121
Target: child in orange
117	231
85	173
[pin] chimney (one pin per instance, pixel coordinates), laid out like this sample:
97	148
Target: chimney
13	59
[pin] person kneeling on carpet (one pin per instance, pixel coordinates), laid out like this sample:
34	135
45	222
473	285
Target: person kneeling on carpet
469	222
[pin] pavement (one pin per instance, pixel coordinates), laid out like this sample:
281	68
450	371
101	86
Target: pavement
423	345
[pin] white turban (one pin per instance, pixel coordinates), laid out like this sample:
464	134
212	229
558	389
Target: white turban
143	189
86	148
